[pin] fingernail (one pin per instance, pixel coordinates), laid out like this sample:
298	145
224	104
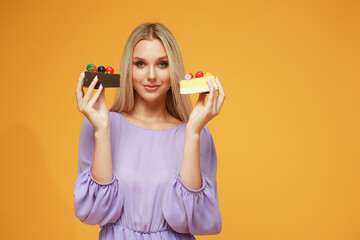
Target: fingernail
101	85
82	73
216	78
96	77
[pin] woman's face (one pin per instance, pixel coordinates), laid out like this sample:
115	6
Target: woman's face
150	70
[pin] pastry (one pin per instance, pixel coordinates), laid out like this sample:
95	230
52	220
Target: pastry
198	84
106	76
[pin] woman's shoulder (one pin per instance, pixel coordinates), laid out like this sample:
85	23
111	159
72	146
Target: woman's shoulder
114	117
172	123
175	122
114	114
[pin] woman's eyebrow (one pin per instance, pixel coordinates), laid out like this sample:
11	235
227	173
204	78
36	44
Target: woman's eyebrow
164	57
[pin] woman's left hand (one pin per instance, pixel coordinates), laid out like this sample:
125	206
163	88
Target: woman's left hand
202	114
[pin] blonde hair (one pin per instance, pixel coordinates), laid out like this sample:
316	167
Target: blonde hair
178	105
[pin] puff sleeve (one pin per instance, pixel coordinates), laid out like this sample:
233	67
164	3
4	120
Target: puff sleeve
195	211
95	202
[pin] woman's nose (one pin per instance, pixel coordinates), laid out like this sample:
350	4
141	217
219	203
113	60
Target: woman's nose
152	74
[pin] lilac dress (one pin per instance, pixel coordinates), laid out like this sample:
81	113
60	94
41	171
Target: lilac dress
146	198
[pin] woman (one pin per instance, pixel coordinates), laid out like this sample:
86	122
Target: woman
147	167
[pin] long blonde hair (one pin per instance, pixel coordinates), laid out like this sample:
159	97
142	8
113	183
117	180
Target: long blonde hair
178	105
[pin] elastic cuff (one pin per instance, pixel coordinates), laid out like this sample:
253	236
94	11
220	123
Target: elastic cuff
99	183
178	179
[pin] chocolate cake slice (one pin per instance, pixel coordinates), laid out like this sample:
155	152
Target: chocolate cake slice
108	80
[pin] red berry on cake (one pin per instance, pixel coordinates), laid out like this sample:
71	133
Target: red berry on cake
109	70
188	76
199	74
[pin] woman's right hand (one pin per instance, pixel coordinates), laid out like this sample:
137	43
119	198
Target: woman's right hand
94	108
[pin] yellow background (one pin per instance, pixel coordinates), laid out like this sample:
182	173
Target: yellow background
287	137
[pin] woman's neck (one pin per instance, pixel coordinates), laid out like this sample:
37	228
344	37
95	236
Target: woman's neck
149	111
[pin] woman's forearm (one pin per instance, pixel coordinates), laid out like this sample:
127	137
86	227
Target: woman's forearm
101	169
190	173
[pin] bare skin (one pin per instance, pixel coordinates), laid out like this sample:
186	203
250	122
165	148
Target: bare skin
149	68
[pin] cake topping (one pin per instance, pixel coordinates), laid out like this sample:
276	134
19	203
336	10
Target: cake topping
199	74
109	70
91	67
101	69
188	76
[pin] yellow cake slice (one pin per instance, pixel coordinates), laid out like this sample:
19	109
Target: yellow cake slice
197	85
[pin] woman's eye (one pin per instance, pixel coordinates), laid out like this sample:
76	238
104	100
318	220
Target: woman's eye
139	64
163	64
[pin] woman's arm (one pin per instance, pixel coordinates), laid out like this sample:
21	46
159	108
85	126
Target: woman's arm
190	173
101	169
195	211
95	202
95	110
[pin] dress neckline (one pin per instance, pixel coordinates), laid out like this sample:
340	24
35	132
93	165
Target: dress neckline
147	129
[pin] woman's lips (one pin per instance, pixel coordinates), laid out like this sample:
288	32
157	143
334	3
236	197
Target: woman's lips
151	87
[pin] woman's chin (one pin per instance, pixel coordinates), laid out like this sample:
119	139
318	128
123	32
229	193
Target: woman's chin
152	97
